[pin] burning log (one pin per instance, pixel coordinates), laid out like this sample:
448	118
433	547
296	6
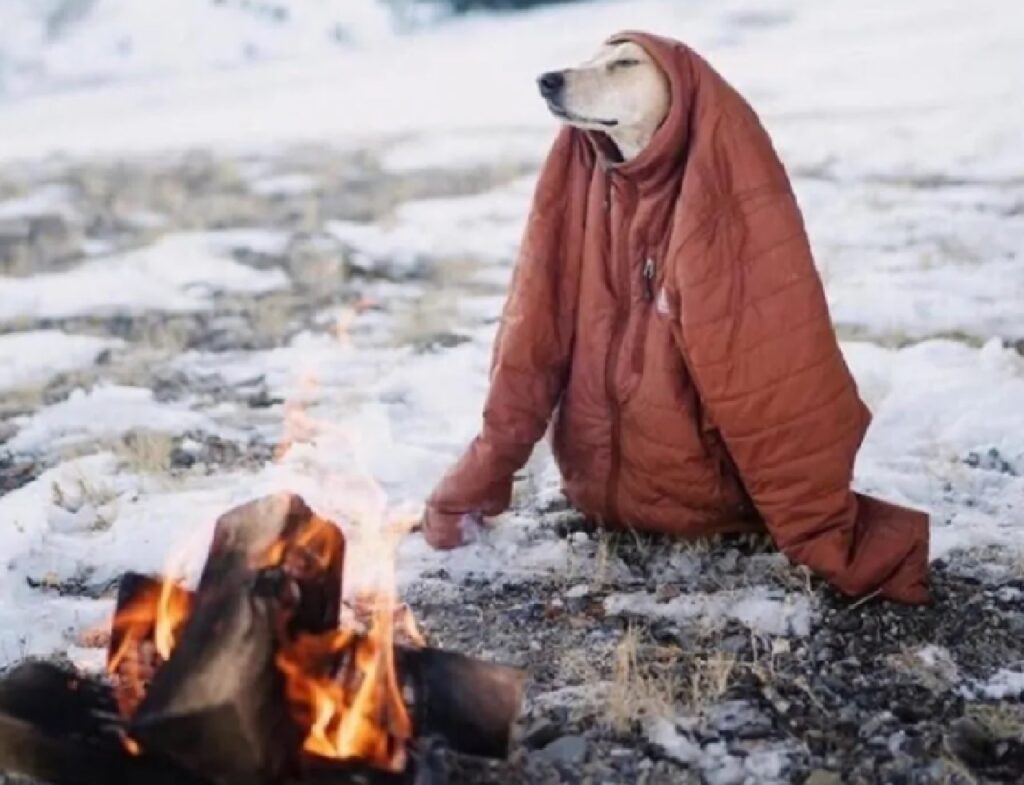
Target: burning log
281	532
249	680
217	705
138	644
469	704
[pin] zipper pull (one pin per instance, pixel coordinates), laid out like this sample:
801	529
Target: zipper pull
649	279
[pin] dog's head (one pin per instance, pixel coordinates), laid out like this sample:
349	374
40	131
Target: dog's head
621	88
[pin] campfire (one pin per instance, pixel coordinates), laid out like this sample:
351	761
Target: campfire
259	675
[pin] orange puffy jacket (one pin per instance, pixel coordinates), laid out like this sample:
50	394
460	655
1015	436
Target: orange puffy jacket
667	311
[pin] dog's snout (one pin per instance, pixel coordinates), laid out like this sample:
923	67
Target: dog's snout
551	83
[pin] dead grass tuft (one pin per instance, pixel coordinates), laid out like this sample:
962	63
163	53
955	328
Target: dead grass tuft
645	683
710	678
144	451
1001	720
79	492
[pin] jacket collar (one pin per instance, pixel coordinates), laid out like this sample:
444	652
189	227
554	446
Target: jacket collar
665	155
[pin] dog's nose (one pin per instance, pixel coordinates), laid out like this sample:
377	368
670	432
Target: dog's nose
550	83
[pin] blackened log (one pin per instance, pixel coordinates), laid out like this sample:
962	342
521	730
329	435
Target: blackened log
61	728
218	706
470	704
430	762
313	555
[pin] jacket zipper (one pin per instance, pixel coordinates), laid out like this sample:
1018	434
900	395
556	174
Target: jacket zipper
649	279
619	253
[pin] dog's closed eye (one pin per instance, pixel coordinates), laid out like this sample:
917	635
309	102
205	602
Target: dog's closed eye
624	63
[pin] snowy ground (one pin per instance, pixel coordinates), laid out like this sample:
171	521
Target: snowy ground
291	235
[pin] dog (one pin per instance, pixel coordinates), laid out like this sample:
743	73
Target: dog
620	91
666	325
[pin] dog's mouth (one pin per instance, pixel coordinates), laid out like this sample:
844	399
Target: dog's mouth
562	113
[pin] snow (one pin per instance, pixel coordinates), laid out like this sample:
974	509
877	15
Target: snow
59	43
47	200
1004	684
35	357
903	106
103	412
485	227
764	764
935	404
179	272
904	261
763	609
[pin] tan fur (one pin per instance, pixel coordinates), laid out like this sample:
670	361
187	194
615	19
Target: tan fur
620	91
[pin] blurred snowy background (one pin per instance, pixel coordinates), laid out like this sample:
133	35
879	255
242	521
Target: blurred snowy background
195	193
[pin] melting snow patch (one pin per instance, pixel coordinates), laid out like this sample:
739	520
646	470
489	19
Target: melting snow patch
1002	685
35	357
763	762
179	272
935	404
47	200
766	610
104	411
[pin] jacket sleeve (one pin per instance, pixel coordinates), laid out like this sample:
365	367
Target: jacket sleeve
762	351
533	345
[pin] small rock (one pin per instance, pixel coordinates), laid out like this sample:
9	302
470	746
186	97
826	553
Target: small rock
735	644
182	459
540	734
667	591
569	750
847	622
823	777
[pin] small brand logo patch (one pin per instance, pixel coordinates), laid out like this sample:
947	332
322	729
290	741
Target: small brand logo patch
661	303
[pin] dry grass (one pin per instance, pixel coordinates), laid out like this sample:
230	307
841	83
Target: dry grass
936	677
144	451
1002	720
655	681
271	316
607	544
955	771
78	492
24	400
710	678
171	335
646	681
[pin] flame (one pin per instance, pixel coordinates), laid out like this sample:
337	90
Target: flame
145	631
357	713
343	687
